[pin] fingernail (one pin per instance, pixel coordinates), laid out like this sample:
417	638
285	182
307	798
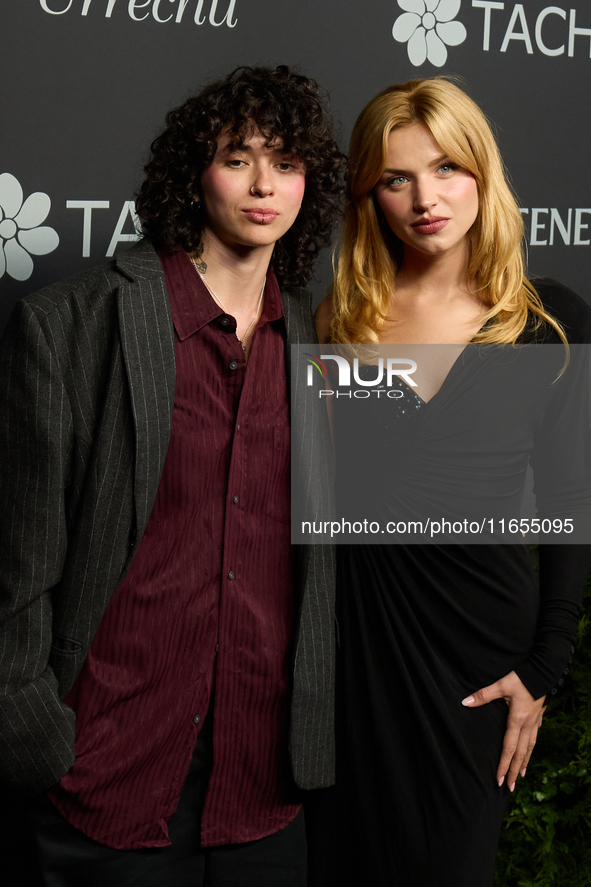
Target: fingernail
512	787
468	700
524	771
501	781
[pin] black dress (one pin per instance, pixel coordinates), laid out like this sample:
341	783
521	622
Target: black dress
421	627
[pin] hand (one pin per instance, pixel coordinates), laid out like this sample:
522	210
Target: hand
523	722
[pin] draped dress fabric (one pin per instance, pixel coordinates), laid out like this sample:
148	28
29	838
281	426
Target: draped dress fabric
416	802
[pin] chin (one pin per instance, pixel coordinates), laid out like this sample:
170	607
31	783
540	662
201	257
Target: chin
261	241
254	238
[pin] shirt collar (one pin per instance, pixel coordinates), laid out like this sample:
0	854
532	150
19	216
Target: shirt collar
191	303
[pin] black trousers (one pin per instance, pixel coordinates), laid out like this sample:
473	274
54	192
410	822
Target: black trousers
59	855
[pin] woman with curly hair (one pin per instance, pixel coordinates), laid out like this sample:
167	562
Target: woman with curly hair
168	727
447	651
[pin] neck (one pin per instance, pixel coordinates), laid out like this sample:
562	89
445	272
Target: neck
442	276
235	274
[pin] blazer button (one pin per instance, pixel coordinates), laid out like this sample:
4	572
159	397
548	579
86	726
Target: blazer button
233	365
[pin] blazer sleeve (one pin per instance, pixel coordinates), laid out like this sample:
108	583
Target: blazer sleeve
36	438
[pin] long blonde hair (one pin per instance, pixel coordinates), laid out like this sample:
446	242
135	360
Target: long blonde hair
366	272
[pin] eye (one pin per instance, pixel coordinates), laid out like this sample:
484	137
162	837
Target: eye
288	165
397	180
235	163
446	168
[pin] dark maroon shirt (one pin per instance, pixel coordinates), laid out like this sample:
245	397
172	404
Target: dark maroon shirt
207	600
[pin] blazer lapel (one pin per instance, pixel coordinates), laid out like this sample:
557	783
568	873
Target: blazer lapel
300	331
296	306
148	349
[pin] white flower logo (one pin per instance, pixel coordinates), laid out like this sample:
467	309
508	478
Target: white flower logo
428	27
20	234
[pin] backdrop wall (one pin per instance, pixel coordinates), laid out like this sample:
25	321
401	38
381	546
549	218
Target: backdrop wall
86	84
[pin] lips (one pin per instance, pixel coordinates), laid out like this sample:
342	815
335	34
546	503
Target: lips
261	216
429	226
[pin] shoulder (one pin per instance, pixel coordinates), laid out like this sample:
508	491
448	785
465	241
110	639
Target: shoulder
323	318
90	290
565	306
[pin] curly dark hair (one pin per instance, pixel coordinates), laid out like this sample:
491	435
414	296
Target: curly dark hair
279	103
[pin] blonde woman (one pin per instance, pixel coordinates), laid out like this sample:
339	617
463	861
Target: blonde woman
447	652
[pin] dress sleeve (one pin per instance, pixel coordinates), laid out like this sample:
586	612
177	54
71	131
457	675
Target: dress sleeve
561	461
563	572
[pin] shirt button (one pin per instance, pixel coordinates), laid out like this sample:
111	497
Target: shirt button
231	575
235	500
234	365
196	719
224	321
217	647
561	682
566	670
238	428
553	692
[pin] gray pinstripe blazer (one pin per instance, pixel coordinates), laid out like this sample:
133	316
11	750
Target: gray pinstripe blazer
87	384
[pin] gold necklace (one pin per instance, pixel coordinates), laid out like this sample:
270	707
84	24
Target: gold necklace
223	307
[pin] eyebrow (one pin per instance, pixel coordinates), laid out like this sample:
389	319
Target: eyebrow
402	172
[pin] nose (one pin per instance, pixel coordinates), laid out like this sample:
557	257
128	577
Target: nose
425	197
262	185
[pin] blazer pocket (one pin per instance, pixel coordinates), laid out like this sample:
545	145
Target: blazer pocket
65	646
